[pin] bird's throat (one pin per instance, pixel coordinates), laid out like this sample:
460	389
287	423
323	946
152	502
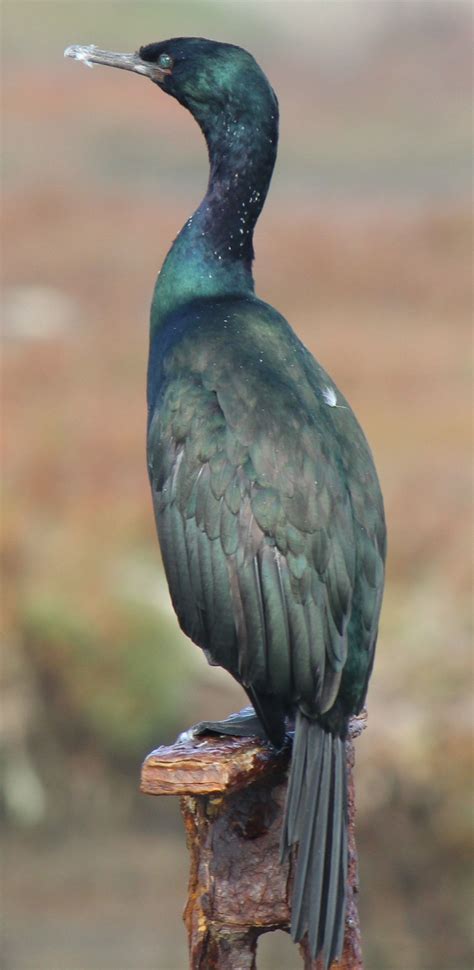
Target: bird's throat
212	255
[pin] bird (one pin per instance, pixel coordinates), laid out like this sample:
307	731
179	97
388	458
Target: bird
268	506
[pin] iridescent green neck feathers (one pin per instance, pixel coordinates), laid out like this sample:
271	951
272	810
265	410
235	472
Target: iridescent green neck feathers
212	255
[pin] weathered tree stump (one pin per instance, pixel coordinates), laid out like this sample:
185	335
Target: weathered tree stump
232	792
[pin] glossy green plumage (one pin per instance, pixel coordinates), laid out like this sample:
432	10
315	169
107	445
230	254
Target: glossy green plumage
245	448
267	502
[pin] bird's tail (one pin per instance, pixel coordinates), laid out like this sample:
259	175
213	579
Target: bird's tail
316	821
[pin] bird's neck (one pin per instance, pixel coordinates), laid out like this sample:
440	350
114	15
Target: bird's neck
212	255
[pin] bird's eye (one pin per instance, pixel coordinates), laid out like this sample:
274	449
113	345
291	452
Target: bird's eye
165	61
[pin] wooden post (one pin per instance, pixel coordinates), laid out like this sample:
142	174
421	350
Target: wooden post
232	792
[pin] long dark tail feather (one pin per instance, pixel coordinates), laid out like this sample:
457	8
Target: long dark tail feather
316	821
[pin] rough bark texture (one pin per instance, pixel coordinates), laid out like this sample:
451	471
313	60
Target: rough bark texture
232	793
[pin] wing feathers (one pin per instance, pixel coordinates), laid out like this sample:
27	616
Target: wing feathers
253	657
258	544
276	621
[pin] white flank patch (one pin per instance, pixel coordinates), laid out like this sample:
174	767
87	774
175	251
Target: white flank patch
330	397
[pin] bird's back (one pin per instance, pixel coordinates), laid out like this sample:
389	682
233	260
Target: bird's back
268	508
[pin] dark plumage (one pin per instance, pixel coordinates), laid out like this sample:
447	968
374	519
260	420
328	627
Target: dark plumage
267	503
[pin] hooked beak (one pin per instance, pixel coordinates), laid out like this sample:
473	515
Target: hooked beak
91	55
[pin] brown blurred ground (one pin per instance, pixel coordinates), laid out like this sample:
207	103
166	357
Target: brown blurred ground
365	246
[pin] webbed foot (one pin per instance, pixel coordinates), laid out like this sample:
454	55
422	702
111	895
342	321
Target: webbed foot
243	724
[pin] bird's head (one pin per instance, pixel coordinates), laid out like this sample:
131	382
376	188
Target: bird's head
204	75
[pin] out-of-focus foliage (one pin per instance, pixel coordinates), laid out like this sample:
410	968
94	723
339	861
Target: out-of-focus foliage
365	246
120	679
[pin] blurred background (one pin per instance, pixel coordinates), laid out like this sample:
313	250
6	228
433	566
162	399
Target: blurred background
365	246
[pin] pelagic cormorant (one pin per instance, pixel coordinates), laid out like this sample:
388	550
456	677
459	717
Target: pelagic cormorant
267	503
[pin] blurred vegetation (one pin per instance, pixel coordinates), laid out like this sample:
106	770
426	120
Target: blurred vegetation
112	696
365	245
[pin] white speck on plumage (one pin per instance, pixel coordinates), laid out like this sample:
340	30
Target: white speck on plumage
330	397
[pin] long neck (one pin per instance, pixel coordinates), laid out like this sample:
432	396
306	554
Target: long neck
212	256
